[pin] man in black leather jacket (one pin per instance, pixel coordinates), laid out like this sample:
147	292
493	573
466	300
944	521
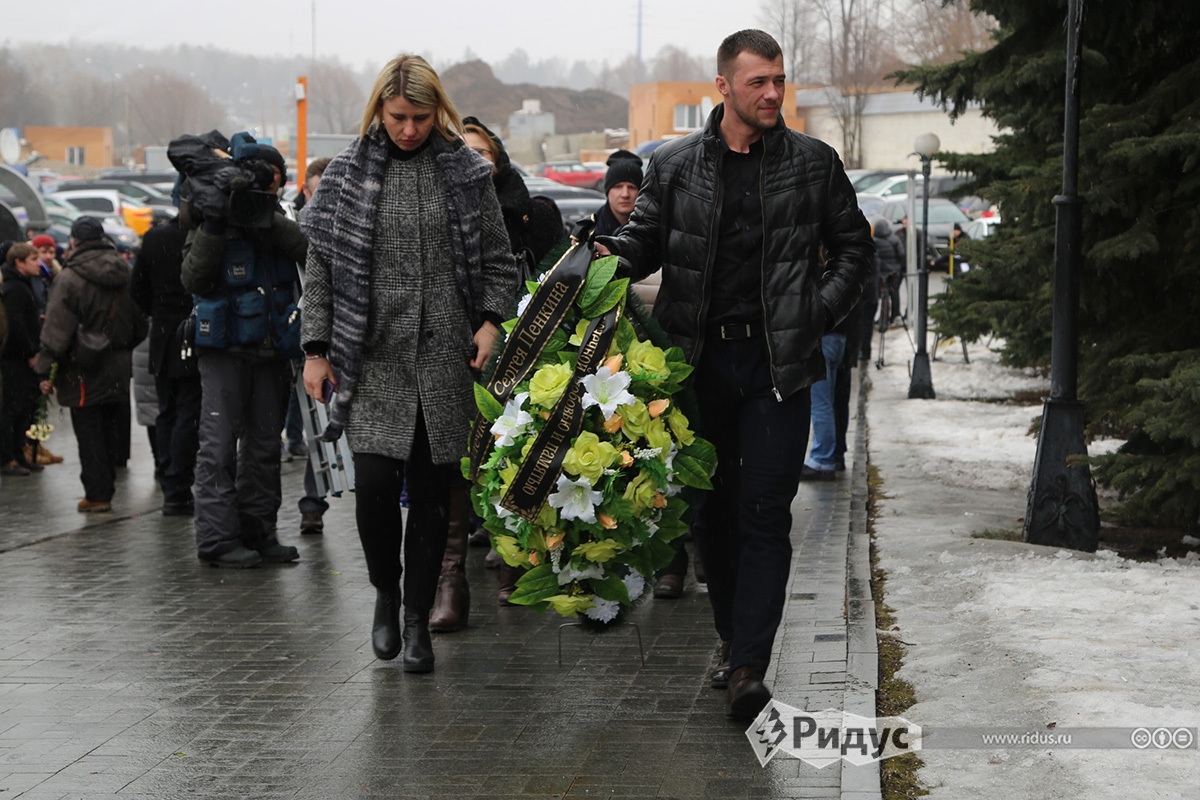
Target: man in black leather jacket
762	249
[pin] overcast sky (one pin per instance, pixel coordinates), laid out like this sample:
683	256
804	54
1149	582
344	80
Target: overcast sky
371	31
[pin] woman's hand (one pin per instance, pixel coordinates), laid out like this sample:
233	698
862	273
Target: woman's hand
485	340
46	387
316	372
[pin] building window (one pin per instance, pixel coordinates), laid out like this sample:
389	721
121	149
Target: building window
75	156
688	118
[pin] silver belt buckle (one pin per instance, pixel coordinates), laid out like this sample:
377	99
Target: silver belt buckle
727	330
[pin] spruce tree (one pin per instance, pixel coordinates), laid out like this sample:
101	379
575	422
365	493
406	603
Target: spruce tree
1140	186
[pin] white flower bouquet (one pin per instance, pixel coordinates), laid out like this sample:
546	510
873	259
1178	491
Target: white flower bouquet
579	453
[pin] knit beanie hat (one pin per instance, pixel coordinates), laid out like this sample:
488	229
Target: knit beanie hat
87	229
272	156
43	240
623	167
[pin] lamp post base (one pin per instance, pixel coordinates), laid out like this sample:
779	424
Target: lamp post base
921	385
1062	510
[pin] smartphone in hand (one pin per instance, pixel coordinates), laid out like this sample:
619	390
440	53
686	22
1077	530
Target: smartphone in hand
327	390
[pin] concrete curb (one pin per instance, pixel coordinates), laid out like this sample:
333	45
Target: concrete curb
862	649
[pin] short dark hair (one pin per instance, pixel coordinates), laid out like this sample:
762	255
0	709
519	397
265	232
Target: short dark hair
316	168
760	43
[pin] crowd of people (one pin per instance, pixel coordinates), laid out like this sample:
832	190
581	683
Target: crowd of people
389	294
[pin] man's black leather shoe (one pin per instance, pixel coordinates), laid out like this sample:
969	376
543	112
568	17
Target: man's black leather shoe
807	473
668	587
178	509
720	673
238	558
748	695
312	523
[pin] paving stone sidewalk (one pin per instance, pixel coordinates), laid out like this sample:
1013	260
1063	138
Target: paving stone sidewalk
130	670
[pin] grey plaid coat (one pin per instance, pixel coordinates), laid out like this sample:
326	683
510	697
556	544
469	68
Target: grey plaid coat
419	334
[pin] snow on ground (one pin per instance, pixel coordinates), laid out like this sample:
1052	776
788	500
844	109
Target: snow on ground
1003	634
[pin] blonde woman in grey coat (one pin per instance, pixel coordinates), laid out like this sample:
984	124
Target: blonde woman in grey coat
409	276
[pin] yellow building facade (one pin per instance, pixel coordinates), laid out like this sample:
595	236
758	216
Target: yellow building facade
81	147
668	109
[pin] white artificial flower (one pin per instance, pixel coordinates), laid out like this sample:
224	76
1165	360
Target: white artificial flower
575	499
523	304
603	610
511	520
635	584
570	573
514	422
606	390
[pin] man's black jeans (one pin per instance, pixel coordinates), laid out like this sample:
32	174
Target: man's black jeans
744	533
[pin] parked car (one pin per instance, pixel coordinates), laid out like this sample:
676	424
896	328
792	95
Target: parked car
162	180
943	214
134	191
980	228
573	203
860	179
895	187
109	202
572	173
64	215
869	204
646	148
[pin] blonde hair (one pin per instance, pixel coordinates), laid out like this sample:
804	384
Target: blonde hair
482	134
412	78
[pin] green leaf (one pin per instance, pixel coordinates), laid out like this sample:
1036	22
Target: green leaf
535	586
488	405
610	588
600	272
696	463
609	297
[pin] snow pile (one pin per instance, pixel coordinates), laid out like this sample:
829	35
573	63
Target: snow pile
1002	634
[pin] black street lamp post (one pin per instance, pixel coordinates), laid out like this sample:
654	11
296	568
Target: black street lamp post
921	384
1062	508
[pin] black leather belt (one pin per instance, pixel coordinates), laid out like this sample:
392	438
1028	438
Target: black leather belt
738	330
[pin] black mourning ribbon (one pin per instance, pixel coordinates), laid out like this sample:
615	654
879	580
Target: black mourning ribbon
546	311
539	473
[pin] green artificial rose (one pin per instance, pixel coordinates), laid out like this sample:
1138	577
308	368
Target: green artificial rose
640	493
568	605
678	424
510	550
599	552
658	436
635	417
548	383
642	359
589	457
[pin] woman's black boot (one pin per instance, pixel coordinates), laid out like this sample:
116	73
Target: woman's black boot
385	632
418	649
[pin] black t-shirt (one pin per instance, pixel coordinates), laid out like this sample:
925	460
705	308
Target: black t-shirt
737	270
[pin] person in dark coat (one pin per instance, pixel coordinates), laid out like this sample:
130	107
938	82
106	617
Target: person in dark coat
410	276
91	295
21	266
892	260
736	215
158	290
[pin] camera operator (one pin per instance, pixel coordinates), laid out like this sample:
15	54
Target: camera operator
241	265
